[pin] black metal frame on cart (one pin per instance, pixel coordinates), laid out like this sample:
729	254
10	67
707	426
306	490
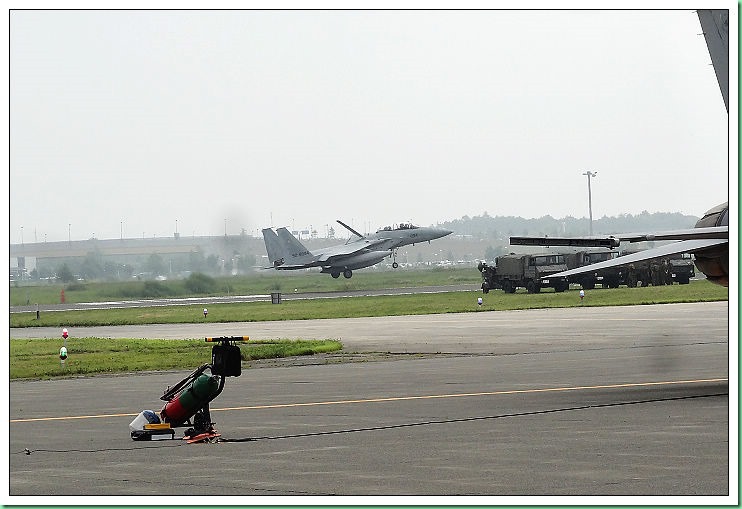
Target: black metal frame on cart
226	361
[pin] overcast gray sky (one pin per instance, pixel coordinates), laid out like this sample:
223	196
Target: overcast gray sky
128	121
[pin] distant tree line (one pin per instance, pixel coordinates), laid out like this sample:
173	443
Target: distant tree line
96	266
502	227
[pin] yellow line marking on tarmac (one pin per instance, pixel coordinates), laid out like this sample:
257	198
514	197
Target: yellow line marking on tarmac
403	398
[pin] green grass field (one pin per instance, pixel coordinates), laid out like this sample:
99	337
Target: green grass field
39	358
451	302
261	283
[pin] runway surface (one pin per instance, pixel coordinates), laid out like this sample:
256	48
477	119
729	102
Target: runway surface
590	401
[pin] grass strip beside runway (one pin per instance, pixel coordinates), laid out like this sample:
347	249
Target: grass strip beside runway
391	305
261	283
39	358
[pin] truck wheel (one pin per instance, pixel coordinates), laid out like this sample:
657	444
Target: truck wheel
507	287
684	280
589	284
532	287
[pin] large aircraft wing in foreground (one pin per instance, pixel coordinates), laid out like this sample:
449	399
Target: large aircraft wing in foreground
286	252
708	241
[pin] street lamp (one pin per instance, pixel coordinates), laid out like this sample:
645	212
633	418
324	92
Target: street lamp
590	197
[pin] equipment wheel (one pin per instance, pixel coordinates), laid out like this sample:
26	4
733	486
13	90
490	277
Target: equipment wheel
348	273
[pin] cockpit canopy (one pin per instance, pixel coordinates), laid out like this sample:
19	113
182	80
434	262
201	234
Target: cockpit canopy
401	226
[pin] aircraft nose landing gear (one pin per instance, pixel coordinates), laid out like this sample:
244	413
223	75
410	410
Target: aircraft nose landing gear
394	259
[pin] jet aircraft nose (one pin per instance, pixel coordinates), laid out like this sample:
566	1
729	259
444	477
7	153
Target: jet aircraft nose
437	233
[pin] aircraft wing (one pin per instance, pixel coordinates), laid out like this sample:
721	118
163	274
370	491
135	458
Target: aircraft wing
351	248
611	241
715	232
684	246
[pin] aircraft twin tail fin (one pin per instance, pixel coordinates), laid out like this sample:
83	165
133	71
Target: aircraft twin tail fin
273	247
285	251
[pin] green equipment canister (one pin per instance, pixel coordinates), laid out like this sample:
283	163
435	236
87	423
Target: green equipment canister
193	397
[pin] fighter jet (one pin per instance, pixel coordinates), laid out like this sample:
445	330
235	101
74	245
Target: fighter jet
285	252
709	240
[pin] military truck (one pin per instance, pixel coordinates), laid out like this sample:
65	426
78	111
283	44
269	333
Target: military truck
659	271
512	271
607	278
680	268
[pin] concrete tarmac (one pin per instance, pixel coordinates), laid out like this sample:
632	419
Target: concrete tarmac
607	402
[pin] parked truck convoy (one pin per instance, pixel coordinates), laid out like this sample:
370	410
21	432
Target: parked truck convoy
512	271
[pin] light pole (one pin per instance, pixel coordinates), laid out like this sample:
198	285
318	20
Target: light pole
590	197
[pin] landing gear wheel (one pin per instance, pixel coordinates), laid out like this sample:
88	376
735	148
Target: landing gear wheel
335	275
394	259
348	273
